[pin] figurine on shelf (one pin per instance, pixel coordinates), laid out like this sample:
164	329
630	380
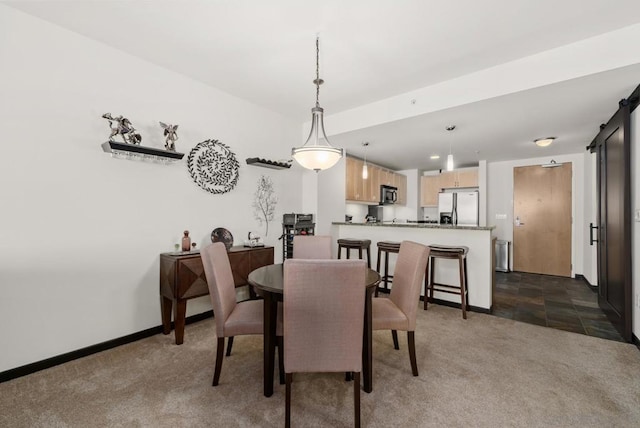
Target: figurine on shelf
186	241
122	126
171	132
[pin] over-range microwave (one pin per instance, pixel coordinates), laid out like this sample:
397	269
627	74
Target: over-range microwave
388	195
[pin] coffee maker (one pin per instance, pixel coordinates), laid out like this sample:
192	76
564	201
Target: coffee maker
375	214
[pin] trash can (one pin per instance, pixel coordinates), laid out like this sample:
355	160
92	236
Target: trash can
502	255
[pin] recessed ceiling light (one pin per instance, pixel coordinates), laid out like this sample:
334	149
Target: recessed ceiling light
544	142
435	157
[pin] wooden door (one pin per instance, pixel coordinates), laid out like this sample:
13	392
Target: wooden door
614	221
542	220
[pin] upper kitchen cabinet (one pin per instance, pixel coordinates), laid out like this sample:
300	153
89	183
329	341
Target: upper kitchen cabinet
459	178
400	181
372	184
429	189
354	186
431	185
368	191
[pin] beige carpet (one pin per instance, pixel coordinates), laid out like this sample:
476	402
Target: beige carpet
485	371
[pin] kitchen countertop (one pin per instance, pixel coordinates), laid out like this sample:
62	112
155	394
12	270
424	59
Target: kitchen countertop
416	225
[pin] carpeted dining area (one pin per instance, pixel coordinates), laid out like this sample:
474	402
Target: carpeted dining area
483	371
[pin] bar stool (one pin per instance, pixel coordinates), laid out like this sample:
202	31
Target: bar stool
458	253
386	247
355	244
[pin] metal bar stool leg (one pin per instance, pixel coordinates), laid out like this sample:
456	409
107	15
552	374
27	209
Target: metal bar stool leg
463	287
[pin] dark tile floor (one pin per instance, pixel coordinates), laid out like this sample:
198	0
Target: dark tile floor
557	302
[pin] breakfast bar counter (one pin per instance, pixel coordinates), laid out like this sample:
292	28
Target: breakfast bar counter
480	259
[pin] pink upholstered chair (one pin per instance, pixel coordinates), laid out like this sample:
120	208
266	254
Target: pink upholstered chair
398	312
323	320
311	247
232	318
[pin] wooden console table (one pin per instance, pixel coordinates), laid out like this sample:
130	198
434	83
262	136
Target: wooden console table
182	278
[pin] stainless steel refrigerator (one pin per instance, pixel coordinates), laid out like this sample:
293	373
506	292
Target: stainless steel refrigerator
459	208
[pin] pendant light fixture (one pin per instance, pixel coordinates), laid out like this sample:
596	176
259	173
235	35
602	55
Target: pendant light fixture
317	153
365	170
450	156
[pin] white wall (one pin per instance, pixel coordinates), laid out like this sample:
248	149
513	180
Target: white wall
81	232
331	197
590	256
500	201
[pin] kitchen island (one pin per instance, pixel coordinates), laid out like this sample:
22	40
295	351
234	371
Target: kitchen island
480	259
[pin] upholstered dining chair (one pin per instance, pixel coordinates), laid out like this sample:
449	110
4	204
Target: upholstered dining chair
311	247
232	318
323	321
398	312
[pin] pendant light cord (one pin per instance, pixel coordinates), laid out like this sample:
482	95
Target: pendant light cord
318	81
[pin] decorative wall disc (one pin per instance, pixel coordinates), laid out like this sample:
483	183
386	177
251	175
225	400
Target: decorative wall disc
213	166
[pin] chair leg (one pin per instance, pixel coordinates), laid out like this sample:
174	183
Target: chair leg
394	335
287	401
219	357
356	399
280	342
411	340
229	345
463	288
426	283
432	277
368	257
377	270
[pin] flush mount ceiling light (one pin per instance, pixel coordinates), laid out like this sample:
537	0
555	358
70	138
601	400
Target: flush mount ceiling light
434	157
544	142
552	164
450	155
365	170
317	153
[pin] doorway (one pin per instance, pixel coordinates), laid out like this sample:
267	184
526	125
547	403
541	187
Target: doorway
542	219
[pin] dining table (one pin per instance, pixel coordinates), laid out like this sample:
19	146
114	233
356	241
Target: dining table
268	282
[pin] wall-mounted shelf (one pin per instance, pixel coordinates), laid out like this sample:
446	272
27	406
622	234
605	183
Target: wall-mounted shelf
136	152
268	163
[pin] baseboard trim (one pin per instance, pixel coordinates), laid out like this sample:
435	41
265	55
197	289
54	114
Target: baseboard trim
593	288
446	303
93	349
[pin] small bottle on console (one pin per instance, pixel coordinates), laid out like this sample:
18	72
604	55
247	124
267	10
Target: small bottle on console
186	241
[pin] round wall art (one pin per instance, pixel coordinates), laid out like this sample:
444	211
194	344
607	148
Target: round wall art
213	166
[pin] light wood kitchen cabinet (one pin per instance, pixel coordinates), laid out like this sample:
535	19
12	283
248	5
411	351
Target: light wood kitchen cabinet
459	178
429	189
354	183
372	184
358	189
431	185
386	177
400	181
467	178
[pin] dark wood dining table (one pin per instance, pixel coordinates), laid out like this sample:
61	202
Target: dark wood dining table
268	282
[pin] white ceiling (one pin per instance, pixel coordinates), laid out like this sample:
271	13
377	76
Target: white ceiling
264	52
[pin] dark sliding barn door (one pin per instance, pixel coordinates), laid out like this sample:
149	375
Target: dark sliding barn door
612	147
